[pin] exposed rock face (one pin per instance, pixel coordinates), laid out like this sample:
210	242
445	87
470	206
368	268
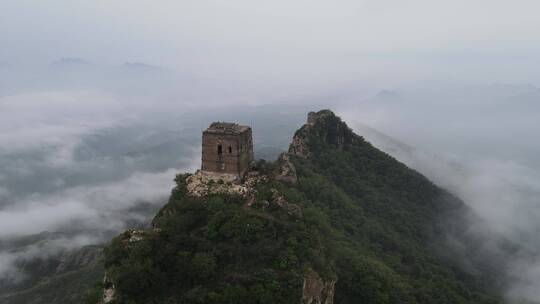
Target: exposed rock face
286	171
300	143
316	290
203	183
133	235
325	128
292	209
109	291
311	118
129	237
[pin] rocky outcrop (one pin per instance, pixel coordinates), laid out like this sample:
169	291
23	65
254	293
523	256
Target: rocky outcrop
285	171
279	200
128	238
133	236
300	143
109	291
316	290
203	183
322	128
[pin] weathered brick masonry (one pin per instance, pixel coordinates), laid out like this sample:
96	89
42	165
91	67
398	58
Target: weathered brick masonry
227	148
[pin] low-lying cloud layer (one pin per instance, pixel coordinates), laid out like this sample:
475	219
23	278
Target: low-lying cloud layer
86	208
78	168
478	143
83	165
85	142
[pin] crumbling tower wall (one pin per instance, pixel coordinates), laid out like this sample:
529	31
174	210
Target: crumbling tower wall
227	148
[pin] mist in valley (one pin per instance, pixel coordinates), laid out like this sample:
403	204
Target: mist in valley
97	118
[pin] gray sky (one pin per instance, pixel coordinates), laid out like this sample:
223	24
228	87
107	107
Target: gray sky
383	42
462	82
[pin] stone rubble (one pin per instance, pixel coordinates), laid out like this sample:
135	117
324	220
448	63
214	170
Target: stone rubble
286	171
278	199
317	291
109	291
204	183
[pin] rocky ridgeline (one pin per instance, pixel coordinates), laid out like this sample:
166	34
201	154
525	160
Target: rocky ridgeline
315	290
203	183
333	219
325	128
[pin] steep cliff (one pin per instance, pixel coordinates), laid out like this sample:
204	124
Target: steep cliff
332	221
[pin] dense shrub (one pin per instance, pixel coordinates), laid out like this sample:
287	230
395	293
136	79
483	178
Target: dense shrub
367	219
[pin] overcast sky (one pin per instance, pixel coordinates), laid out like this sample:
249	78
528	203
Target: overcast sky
383	42
457	79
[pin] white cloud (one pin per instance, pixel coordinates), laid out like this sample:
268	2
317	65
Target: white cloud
247	52
52	120
103	207
503	193
93	213
11	259
40	134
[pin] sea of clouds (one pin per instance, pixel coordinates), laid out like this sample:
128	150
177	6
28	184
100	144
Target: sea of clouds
80	165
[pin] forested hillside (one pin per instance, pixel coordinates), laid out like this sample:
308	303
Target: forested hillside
332	221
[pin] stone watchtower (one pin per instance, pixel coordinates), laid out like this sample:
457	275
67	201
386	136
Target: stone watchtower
227	148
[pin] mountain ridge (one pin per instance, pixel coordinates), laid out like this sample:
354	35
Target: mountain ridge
349	224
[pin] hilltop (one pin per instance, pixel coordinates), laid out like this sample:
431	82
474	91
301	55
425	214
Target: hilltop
333	220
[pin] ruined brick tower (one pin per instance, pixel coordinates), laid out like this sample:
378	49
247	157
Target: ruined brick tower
227	148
